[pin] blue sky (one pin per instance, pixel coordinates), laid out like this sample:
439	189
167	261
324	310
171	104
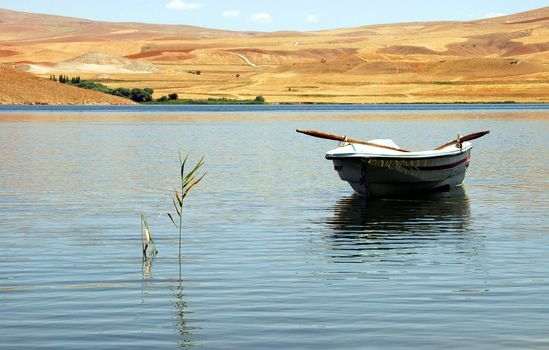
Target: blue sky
262	15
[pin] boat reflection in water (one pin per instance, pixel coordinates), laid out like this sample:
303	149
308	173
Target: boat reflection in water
360	226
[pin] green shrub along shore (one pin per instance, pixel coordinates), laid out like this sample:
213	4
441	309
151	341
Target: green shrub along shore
145	95
174	100
137	95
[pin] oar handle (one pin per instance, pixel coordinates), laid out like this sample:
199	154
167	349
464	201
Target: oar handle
321	134
325	135
465	138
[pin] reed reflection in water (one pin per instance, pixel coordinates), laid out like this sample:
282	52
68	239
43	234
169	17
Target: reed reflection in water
149	285
360	226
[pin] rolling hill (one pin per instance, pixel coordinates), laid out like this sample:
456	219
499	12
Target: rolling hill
497	59
20	88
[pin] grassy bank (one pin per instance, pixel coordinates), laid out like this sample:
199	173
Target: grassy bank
144	96
259	100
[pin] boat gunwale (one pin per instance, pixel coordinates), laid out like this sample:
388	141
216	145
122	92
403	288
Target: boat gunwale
406	156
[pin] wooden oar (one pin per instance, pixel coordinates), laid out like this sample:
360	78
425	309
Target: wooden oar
325	135
465	138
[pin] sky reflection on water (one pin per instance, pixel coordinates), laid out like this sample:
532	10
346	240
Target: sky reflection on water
278	252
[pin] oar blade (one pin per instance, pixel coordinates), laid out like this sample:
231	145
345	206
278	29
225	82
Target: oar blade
465	138
473	136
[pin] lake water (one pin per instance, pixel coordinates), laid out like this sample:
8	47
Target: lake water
277	253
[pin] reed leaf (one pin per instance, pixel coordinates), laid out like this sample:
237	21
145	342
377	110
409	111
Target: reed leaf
194	184
183	164
176	208
171	218
197	166
179	200
186	183
142	235
147	242
147	236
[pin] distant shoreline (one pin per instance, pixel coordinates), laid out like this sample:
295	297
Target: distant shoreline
278	106
251	102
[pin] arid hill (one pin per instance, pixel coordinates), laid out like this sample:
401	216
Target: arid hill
18	88
497	59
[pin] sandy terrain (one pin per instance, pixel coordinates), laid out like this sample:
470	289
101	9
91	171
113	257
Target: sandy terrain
499	59
94	62
24	88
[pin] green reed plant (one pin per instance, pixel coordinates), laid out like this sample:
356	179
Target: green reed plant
188	181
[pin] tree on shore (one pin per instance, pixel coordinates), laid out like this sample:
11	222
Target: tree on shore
141	95
122	92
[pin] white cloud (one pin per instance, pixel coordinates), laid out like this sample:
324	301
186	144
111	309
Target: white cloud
263	17
312	18
494	14
181	5
231	13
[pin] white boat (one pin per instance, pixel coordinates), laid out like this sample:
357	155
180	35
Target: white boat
378	172
380	168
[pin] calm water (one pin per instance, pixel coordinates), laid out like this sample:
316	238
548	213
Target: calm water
278	253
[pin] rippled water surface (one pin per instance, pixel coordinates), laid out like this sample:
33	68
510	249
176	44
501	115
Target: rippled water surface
277	253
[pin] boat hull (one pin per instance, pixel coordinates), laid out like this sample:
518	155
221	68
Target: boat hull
397	176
